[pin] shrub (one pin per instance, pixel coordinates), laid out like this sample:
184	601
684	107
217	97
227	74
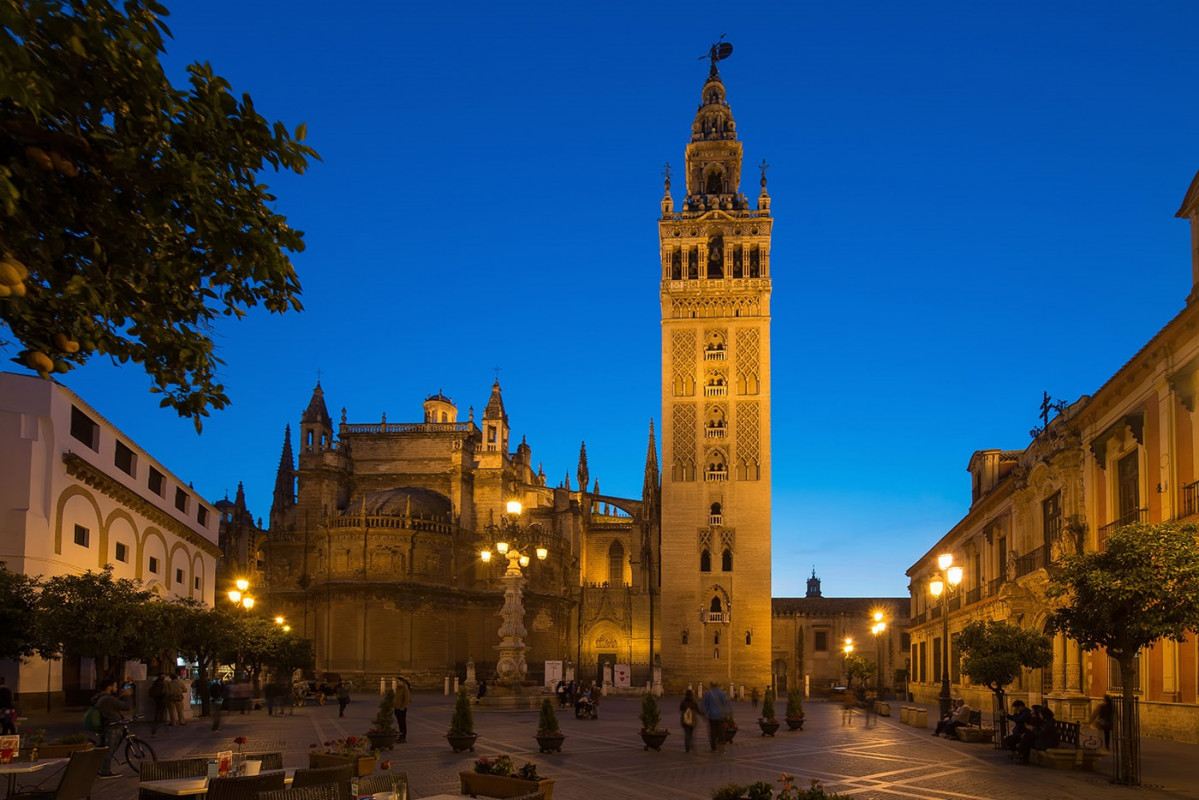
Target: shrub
794	704
730	791
768	706
463	722
384	721
760	790
651	715
547	725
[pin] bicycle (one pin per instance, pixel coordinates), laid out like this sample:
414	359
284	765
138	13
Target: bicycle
136	749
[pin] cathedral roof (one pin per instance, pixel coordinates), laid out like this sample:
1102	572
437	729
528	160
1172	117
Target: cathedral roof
402	502
832	606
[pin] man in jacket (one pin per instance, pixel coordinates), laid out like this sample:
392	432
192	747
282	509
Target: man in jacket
403	698
113	708
714	705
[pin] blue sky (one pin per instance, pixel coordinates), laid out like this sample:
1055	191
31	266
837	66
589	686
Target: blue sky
973	203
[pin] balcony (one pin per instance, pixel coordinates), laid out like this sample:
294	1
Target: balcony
993	586
714	355
1032	561
714	433
716	391
973	595
716	474
716	519
714	617
1133	517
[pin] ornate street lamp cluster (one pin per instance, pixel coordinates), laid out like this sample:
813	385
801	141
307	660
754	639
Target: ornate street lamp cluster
515	544
942	585
877	629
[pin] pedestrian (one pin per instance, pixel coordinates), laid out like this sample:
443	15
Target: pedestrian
754	696
270	694
158	695
715	705
175	692
217	695
403	696
1102	718
112	707
1020	718
688	718
8	710
343	697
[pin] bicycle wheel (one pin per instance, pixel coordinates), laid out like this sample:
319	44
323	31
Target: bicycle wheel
137	751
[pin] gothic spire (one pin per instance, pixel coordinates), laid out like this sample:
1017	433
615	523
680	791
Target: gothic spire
316	411
649	486
240	502
495	405
582	473
285	481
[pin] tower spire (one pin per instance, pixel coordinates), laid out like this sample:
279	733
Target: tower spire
285	479
582	472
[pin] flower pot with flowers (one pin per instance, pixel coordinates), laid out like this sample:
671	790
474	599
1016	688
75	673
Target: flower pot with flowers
651	716
794	714
350	750
62	747
383	733
549	735
729	729
499	777
767	721
461	734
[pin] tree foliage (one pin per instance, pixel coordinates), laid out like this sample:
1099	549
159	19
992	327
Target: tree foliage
993	653
93	614
19	636
858	667
131	216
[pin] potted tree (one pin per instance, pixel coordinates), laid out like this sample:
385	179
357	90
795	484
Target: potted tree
461	734
794	715
549	735
383	733
650	717
767	721
499	777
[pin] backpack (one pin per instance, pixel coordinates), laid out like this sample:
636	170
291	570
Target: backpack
93	720
689	717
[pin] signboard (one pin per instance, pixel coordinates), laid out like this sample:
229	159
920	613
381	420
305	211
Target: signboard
622	676
553	673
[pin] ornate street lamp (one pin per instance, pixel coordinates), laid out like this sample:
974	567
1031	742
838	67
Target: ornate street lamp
943	585
513	543
846	650
877	629
241	599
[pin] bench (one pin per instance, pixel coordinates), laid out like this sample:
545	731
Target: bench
973	732
1069	754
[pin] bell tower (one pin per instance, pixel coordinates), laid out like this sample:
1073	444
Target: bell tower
715	507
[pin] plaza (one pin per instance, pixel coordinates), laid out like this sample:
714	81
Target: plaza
604	757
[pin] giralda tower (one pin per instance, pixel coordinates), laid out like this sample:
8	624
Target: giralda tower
715	549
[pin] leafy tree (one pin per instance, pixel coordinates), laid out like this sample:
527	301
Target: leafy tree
1143	586
209	634
95	615
859	667
18	609
994	653
131	210
164	627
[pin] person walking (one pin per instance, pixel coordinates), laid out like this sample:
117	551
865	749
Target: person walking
174	694
343	697
403	696
688	718
1102	718
112	709
158	695
216	696
715	706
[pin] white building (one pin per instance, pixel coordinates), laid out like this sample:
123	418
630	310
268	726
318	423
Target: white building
77	494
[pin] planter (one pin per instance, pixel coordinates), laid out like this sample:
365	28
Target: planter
462	742
768	728
363	765
477	785
654	739
56	750
795	723
383	741
551	743
729	733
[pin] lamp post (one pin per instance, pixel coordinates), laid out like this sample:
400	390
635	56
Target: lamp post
942	585
846	650
877	629
513	543
239	597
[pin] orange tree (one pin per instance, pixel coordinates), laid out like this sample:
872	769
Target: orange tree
132	214
1142	586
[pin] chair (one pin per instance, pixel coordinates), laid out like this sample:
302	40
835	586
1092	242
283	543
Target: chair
165	770
384	782
324	791
243	787
77	778
269	761
341	775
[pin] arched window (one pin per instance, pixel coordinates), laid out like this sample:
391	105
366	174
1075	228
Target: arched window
726	560
715	606
616	564
705	561
716	509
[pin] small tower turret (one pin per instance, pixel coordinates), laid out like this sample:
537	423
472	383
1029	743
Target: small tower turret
814	585
316	427
439	408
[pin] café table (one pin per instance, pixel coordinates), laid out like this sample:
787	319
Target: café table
11	771
191	787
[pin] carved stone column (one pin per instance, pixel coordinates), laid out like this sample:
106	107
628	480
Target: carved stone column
511	666
1073	668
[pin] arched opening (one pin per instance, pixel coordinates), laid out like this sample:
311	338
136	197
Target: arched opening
705	561
715	606
716	509
716	256
616	564
726	560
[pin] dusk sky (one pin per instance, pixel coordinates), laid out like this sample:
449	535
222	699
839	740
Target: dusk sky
973	203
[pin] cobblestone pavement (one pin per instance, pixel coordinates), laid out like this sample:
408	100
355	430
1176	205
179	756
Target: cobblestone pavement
604	757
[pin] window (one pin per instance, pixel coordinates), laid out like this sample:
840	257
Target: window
705	561
923	662
937	658
726	560
181	499
1051	517
616	564
685	637
821	642
125	459
1115	682
82	536
85	429
122	552
157	482
196	582
202	515
749	637
153	565
178	576
1128	489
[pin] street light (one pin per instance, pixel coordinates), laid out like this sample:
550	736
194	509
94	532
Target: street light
942	586
846	649
513	543
877	629
240	598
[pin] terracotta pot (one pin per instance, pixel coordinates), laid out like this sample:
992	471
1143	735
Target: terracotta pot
462	743
383	741
551	743
362	766
654	739
795	723
768	728
474	784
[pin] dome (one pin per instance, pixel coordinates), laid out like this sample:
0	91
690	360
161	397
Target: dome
401	501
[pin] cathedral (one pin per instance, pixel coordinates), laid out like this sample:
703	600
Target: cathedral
377	532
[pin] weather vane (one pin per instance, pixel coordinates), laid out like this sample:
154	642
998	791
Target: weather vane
718	52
